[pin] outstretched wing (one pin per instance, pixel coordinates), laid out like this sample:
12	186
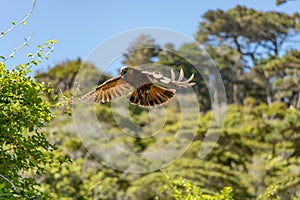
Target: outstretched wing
110	89
158	77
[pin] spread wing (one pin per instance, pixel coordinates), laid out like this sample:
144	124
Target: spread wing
110	89
158	77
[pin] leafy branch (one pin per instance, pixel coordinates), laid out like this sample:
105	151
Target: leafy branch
12	54
10	182
23	21
14	25
43	52
23	113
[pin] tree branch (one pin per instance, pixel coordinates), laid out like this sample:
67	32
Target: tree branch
12	54
23	21
12	184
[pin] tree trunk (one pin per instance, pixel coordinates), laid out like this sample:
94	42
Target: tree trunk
230	93
298	102
268	94
235	93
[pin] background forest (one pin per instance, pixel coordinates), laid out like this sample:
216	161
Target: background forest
257	155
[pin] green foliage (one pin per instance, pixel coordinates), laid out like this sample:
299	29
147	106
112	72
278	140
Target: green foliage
16	24
285	72
238	40
84	177
281	2
141	51
244	28
257	155
63	77
23	148
274	191
184	190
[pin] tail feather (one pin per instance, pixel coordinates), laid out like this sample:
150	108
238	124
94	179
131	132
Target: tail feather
151	95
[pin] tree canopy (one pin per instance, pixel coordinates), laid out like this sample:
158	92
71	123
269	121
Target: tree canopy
24	149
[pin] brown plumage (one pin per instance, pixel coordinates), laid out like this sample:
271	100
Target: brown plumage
150	95
145	86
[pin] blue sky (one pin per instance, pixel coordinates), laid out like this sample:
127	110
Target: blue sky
81	25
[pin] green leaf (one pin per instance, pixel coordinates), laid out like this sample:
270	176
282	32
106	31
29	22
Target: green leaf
2	186
29	55
58	105
25	23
